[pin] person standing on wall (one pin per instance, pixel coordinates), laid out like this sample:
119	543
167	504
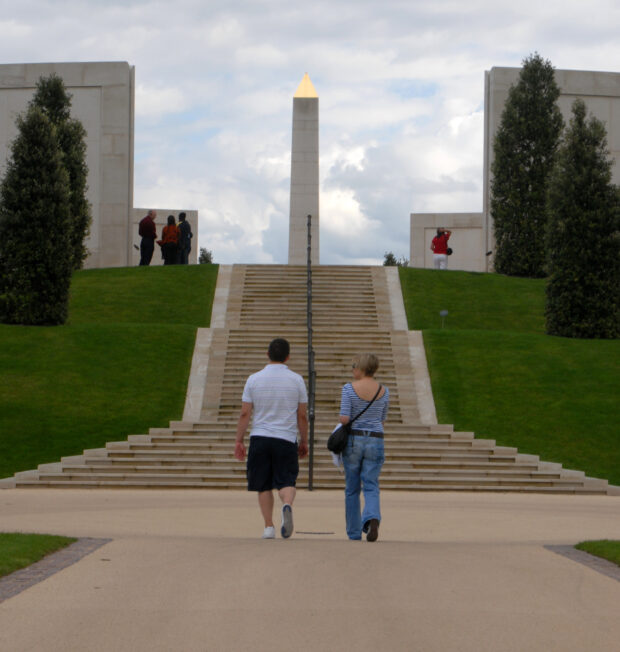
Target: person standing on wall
148	232
439	247
278	399
185	240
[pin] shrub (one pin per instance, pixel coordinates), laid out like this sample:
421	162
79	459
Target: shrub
35	261
583	236
52	98
524	149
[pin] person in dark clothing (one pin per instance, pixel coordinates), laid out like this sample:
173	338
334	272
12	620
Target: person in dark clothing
185	240
148	232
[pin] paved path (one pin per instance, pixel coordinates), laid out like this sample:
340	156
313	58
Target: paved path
186	571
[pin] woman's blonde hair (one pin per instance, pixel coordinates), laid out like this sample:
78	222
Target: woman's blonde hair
367	363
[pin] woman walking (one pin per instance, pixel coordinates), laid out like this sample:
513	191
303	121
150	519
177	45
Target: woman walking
364	455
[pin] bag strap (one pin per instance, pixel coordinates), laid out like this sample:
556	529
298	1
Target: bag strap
371	402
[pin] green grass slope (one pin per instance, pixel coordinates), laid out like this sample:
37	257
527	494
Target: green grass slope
495	372
119	366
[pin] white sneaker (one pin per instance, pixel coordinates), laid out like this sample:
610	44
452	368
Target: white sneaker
287	521
269	533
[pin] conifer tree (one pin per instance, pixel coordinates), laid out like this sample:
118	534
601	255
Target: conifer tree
524	149
35	268
52	98
583	236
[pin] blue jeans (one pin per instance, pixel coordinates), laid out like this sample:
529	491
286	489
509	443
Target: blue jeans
362	458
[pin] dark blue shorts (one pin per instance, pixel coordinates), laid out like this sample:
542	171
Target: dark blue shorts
272	464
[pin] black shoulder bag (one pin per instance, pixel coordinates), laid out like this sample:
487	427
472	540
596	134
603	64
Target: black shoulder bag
337	441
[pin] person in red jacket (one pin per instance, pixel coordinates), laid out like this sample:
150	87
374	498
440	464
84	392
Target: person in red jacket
169	242
439	247
147	230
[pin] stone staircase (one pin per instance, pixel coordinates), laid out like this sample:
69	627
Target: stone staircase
353	312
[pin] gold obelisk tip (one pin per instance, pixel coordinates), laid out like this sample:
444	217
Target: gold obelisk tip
306	89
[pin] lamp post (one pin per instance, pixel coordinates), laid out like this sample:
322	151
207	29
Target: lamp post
443	314
311	371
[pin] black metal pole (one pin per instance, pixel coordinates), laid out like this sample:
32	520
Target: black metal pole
311	371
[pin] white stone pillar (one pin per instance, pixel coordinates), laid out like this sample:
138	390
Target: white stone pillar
304	175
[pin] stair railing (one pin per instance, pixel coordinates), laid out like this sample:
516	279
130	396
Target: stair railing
311	370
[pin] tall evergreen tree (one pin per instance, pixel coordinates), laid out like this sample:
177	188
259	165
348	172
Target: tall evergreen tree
35	268
524	148
583	236
52	98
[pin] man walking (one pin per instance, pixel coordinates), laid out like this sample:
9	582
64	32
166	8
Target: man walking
147	230
278	400
185	240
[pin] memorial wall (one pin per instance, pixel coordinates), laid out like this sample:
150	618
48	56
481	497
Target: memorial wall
472	233
103	101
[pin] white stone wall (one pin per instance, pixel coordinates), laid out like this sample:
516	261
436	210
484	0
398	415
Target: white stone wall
162	219
103	100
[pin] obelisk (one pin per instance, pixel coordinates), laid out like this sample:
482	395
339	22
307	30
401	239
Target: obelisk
304	175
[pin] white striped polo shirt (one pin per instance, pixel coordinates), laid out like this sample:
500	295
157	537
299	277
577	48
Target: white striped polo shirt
275	393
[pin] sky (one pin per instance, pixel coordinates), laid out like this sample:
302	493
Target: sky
401	102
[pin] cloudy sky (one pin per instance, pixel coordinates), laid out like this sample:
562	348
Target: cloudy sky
400	83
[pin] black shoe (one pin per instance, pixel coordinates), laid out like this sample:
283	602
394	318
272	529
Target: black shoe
373	530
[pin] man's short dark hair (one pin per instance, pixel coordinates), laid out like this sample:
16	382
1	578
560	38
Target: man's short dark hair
181	217
279	350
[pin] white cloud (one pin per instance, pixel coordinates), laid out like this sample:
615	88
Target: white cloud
157	102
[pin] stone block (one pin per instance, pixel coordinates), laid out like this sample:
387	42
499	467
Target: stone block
116	110
139	439
53	467
27	475
115	179
116	445
96	452
71	459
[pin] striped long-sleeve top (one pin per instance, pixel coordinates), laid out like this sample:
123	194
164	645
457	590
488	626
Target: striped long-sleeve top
351	404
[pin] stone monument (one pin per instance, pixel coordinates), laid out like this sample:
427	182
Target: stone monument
304	175
472	233
103	101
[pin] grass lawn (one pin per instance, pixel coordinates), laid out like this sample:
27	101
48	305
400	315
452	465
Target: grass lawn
496	373
609	550
20	550
119	366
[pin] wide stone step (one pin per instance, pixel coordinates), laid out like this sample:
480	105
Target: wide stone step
229	464
175	448
228	483
406	462
322	472
397	432
228	438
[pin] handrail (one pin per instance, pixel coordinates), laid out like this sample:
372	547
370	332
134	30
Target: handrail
311	370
